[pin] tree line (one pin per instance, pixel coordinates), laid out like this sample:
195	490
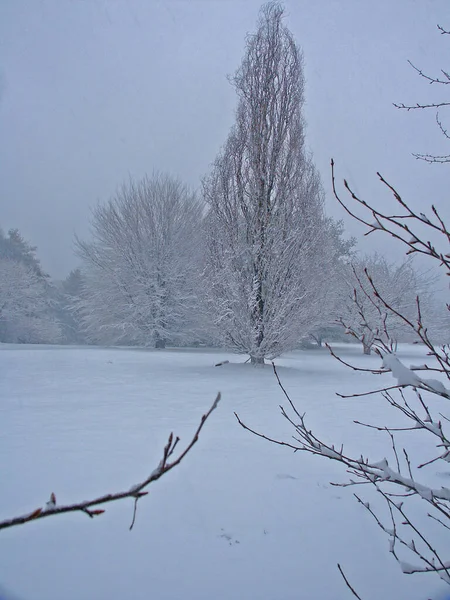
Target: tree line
251	262
254	263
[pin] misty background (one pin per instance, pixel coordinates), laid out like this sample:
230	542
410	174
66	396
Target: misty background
94	91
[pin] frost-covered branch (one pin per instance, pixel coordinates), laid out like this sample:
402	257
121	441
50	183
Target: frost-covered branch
403	227
420	401
390	481
168	461
443	79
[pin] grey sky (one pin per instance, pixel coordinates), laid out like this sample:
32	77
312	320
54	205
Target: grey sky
92	91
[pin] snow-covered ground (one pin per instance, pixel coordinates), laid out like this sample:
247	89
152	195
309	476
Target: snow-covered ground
239	519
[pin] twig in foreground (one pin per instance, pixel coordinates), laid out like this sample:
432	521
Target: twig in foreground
347	583
136	491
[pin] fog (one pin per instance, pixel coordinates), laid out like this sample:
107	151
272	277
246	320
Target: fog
92	92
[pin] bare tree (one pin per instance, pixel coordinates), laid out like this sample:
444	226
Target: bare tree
168	461
421	400
141	266
271	250
363	314
439	80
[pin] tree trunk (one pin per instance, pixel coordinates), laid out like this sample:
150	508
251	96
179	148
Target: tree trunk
367	348
318	340
160	343
257	360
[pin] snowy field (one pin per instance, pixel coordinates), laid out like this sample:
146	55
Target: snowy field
239	519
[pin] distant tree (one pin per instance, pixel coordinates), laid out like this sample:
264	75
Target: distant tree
15	247
141	266
73	284
27	305
327	332
363	312
25	309
70	293
271	251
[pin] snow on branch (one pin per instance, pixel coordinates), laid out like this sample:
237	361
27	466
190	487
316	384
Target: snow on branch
168	461
384	477
416	398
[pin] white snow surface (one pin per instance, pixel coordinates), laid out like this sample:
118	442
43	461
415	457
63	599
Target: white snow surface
239	518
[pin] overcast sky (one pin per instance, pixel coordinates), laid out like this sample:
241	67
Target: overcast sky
92	91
